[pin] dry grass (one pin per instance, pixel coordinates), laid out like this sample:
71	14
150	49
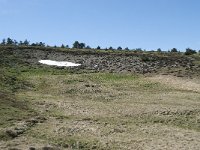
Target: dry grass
178	83
111	111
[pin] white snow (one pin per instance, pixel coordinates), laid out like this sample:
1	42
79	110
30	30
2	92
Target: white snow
59	63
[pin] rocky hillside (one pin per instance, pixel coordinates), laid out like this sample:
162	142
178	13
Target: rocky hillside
115	61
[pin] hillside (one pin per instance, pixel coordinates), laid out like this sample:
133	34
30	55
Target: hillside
111	61
114	100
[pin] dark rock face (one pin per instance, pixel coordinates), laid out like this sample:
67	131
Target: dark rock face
111	62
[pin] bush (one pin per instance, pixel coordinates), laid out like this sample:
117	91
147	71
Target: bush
174	50
190	51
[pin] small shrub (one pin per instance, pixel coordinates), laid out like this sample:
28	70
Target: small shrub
190	51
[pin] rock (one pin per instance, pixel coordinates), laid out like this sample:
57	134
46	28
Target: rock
12	133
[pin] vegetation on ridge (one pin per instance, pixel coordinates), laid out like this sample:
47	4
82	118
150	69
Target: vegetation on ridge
78	45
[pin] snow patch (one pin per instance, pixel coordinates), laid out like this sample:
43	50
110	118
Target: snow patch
59	63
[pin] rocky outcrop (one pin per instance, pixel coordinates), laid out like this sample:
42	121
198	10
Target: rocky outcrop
112	62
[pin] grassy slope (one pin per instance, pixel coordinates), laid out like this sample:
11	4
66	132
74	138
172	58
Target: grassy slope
12	109
112	111
96	110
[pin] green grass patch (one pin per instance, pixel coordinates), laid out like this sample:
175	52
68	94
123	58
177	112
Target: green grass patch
11	81
13	110
112	77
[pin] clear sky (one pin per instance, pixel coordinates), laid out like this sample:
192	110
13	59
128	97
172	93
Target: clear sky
147	24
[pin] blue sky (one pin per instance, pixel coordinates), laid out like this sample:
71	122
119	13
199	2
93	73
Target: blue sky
147	24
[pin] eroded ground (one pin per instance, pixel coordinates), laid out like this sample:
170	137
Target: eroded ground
105	111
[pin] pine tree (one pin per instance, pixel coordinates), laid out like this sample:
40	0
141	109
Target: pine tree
98	47
9	41
62	46
3	42
119	48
